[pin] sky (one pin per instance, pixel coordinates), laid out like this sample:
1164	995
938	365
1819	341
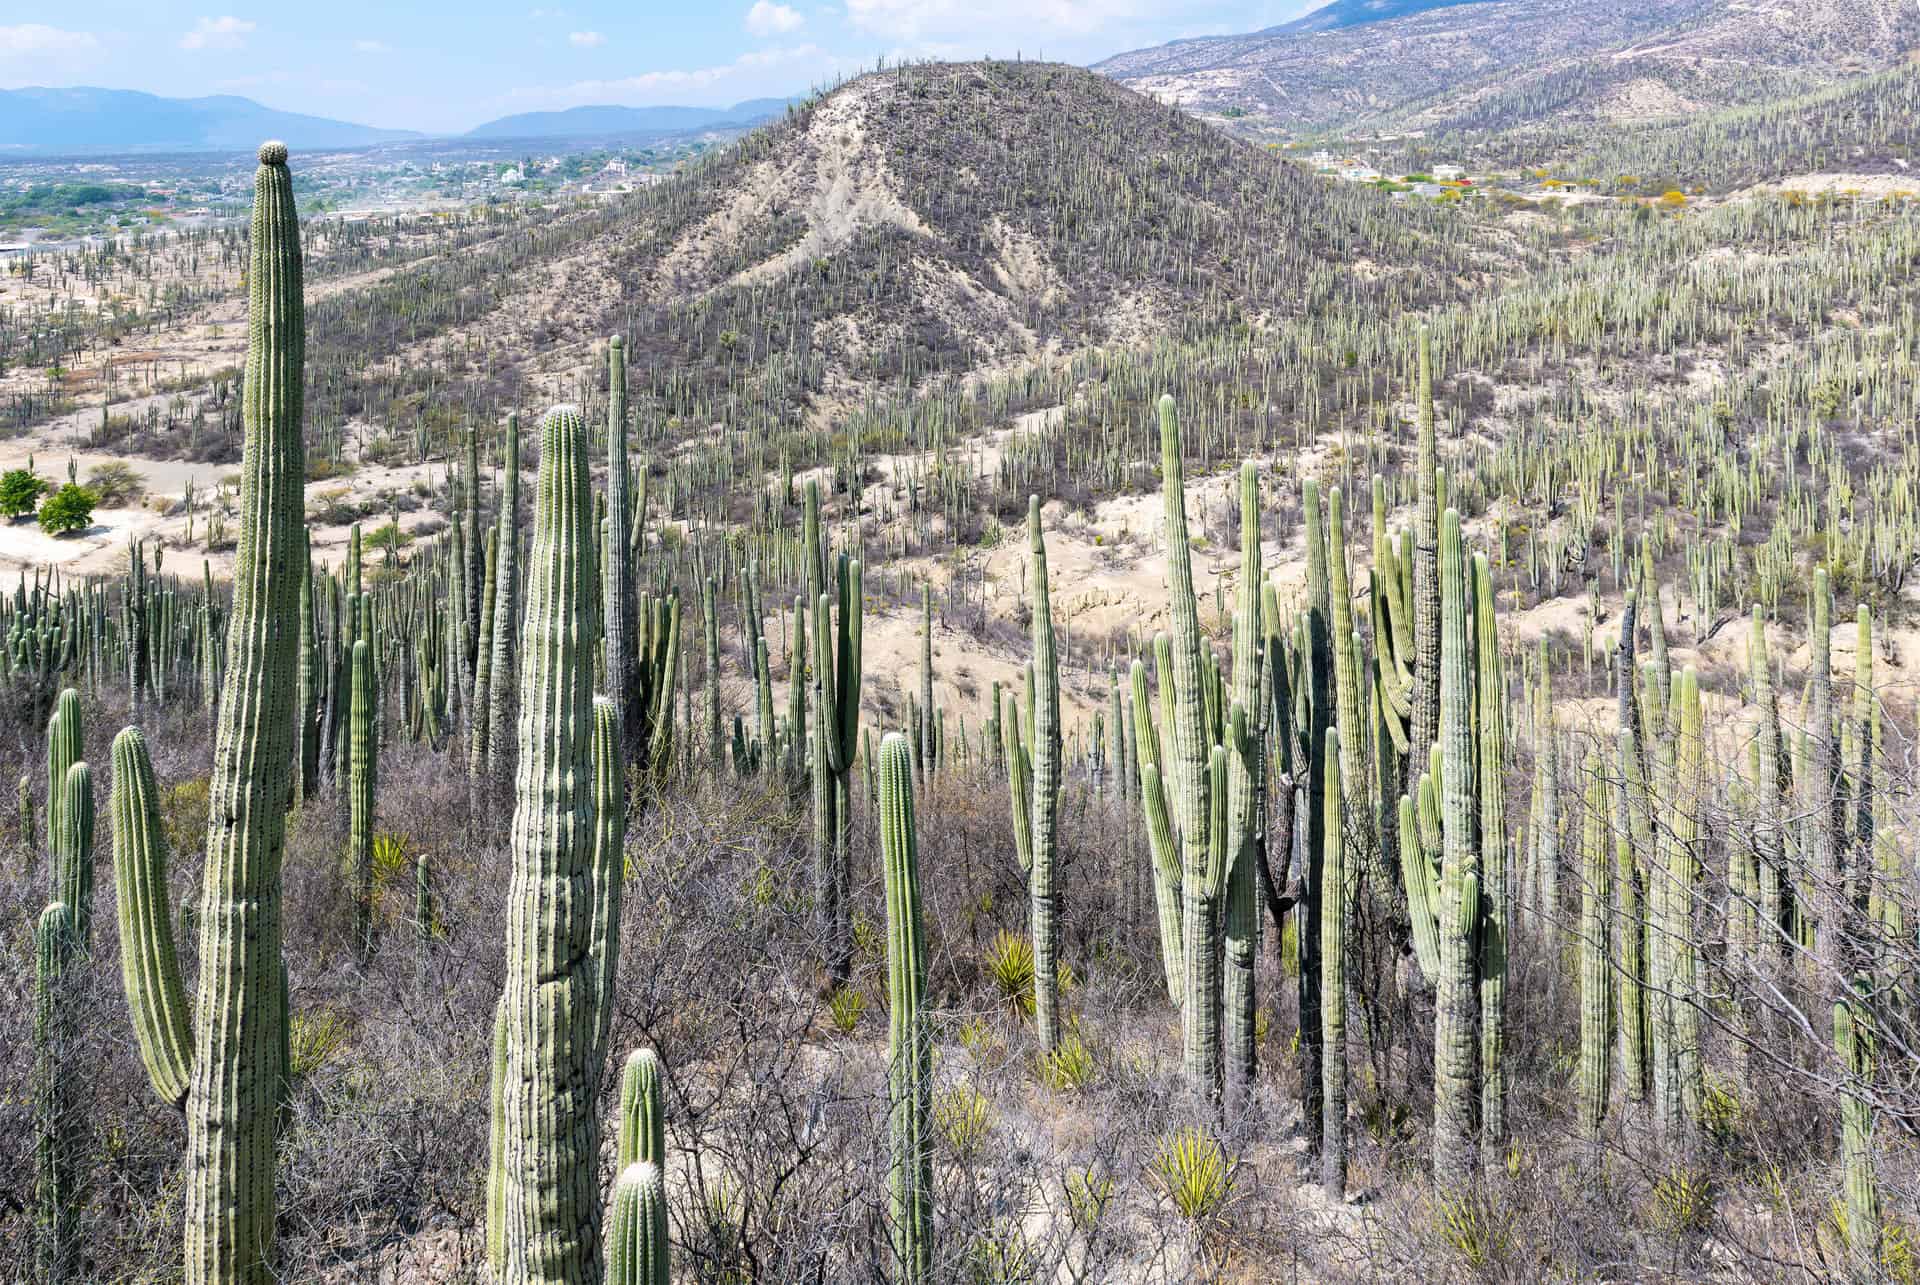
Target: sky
447	65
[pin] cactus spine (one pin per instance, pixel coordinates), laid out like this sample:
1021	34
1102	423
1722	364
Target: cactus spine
549	1128
1045	904
909	1043
233	1102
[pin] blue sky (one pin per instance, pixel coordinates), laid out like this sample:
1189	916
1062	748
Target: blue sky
450	64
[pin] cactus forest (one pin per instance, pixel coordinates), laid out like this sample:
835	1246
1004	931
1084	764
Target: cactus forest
1298	737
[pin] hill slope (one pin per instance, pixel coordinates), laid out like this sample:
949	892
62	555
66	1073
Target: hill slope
1506	63
1355	13
909	228
85	119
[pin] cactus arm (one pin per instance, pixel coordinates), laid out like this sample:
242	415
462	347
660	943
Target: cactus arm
643	1131
150	967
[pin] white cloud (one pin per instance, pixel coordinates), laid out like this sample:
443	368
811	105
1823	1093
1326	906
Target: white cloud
766	19
37	38
586	39
372	47
924	19
228	32
653	86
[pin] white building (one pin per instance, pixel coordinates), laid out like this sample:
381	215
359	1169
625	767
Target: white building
1449	173
1360	174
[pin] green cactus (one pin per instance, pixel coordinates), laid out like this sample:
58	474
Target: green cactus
1161	845
1595	987
1333	982
1044	897
150	967
57	1118
1245	813
548	1200
909	1040
29	841
1456	1095
710	616
609	864
482	702
621	608
835	739
73	851
643	1131
238	1077
497	1142
924	747
1490	774
65	747
363	747
423	912
1425	728
1853	1045
637	1252
502	676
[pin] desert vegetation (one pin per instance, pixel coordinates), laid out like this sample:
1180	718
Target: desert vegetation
728	847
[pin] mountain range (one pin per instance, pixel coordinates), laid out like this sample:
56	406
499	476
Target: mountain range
1434	65
84	119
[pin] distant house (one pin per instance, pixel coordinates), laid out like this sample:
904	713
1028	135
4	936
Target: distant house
1449	173
1360	174
1427	189
1324	160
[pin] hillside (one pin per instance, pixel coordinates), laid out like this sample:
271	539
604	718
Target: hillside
910	227
83	119
1515	63
1354	13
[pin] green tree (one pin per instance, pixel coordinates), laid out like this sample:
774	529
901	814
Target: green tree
68	509
20	490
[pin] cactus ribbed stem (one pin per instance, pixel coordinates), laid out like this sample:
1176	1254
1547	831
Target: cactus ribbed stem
233	1103
150	968
643	1129
1852	1042
1042	893
909	1041
1490	774
1456	1003
360	789
508	623
621	618
637	1246
56	1105
1245	819
1595	988
609	865
1425	727
73	851
1333	982
549	1202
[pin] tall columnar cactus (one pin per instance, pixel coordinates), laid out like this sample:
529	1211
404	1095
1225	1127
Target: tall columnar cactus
503	693
233	1101
56	1106
609	865
1333	982
643	1131
29	838
1683	892
497	1143
637	1252
1315	694
1245	811
1043	895
65	747
1767	845
149	965
480	707
1425	727
475	572
1853	1044
835	739
925	748
909	1041
620	609
1490	772
363	748
307	718
550	1232
1162	847
73	851
1456	999
1595	984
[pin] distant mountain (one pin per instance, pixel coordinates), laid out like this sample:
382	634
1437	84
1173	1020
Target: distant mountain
594	122
1434	65
51	121
1355	13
